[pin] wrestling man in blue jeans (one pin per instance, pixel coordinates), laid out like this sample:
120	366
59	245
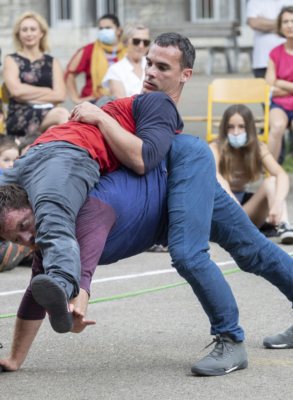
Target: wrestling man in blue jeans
125	214
198	209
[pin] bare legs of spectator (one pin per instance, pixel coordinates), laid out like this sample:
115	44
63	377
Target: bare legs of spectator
258	206
56	116
278	125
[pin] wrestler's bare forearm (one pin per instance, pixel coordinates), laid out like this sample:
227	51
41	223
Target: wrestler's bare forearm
24	335
126	147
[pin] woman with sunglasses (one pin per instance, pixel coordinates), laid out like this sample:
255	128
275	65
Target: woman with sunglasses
125	78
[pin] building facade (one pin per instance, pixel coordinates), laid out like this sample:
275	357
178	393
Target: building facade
73	22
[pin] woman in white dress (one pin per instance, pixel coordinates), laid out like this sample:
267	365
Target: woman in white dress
125	78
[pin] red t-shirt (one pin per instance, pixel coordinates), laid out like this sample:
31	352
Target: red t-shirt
284	70
90	138
152	117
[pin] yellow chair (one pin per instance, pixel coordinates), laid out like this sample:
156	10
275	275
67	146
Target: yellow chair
239	91
4	96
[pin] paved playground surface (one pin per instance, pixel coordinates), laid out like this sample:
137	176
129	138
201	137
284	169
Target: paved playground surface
142	347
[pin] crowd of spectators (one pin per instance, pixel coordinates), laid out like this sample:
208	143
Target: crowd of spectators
114	68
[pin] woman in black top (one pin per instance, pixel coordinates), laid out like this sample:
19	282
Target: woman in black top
34	80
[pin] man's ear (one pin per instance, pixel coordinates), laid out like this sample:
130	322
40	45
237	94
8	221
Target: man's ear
186	75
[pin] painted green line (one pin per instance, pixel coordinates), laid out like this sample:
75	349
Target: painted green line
121	296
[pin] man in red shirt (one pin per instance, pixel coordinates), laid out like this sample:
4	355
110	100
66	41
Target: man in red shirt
63	165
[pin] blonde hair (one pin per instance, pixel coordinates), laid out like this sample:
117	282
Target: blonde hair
130	29
44	45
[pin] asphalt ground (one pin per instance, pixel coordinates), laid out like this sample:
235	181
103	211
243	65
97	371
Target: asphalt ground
142	346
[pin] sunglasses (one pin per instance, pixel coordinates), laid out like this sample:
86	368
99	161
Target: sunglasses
136	42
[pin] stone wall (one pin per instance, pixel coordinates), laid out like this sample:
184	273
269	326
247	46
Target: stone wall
10	10
153	12
65	42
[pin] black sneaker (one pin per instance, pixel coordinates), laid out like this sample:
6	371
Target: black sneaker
51	295
11	255
285	232
227	356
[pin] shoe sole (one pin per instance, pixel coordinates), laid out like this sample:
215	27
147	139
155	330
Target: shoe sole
287	238
50	295
218	372
278	346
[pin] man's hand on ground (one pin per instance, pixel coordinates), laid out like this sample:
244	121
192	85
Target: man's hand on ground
87	113
9	364
80	323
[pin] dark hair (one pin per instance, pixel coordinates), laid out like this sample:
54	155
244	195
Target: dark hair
28	140
182	43
12	197
250	151
288	9
112	17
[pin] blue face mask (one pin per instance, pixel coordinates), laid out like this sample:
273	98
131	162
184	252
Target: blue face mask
107	36
237	141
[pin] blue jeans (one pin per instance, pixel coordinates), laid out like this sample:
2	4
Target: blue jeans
199	211
57	177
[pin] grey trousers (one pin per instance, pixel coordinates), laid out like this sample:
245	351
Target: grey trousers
57	177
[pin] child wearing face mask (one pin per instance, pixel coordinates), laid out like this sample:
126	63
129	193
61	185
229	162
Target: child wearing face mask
240	159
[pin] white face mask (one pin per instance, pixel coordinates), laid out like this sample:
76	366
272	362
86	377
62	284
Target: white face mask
107	36
237	141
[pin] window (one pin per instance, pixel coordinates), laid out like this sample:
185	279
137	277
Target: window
64	9
61	13
212	10
204	9
107	7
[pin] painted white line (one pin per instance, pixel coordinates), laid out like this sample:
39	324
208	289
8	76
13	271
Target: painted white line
226	263
120	277
130	276
13	292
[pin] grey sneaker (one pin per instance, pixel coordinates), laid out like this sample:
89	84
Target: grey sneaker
227	356
285	232
280	341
